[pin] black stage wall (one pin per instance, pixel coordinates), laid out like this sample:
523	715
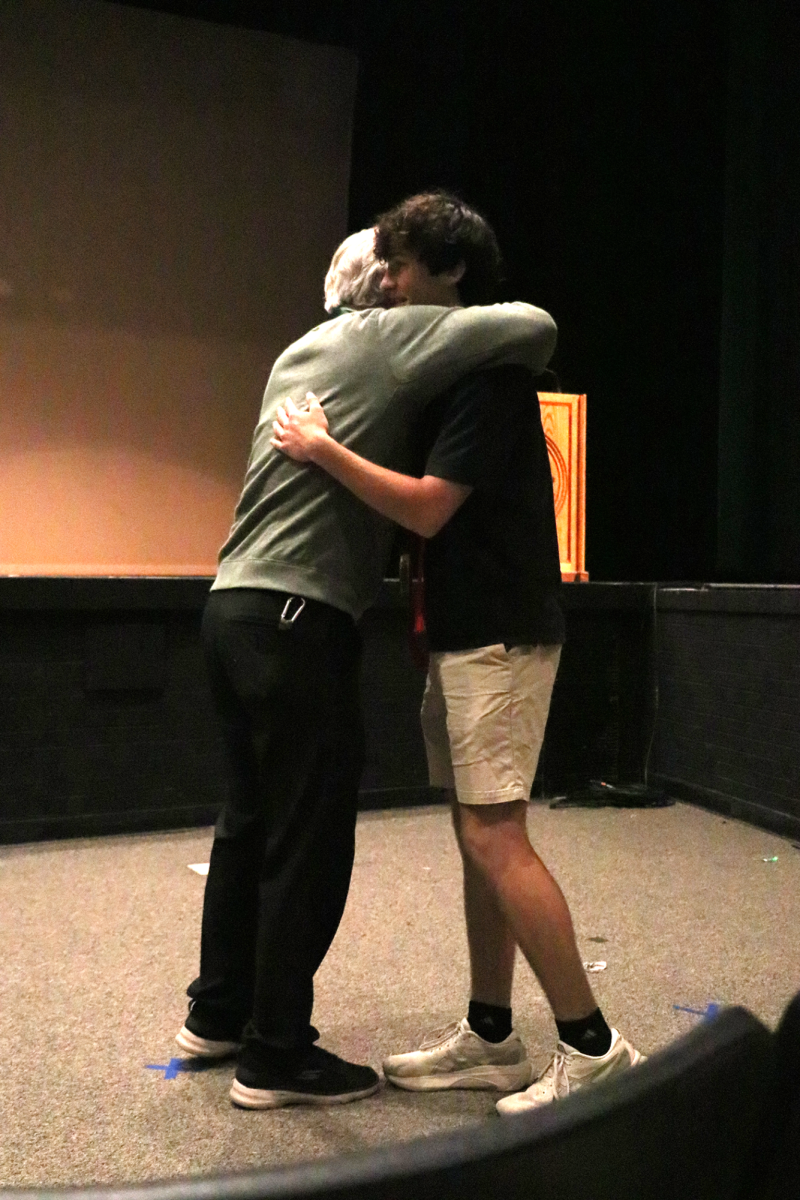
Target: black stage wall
107	723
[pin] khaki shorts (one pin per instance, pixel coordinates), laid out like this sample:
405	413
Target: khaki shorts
483	718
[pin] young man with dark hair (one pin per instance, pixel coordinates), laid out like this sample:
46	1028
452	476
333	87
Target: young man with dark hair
304	558
485	501
440	232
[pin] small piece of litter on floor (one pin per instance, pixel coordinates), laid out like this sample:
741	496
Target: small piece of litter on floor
597	939
774	858
595	966
199	868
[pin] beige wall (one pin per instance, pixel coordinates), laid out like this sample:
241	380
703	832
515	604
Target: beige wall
170	195
121	454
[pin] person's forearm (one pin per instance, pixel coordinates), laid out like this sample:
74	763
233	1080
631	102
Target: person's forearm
421	505
440	345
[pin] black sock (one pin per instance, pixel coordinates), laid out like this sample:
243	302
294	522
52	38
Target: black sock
492	1022
591	1035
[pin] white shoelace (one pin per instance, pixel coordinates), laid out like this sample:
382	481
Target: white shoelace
556	1071
440	1036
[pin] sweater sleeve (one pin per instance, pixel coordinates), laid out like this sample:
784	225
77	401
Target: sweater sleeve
428	346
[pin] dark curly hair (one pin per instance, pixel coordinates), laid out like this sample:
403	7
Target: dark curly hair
441	231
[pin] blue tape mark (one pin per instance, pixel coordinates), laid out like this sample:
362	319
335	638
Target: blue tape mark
170	1069
175	1065
711	1010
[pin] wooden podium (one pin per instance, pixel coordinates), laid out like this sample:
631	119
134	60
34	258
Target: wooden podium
564	423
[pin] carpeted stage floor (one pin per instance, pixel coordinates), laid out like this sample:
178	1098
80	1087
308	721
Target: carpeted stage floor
99	939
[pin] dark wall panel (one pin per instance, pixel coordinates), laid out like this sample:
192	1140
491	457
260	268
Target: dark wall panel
106	722
395	772
601	717
91	743
728	731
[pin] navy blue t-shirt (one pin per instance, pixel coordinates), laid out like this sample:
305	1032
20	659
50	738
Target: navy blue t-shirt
492	574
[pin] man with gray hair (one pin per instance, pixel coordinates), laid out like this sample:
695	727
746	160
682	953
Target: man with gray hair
355	276
303	560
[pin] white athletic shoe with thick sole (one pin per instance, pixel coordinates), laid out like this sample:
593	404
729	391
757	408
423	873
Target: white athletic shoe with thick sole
568	1071
456	1057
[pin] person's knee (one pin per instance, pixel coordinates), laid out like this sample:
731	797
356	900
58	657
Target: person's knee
490	835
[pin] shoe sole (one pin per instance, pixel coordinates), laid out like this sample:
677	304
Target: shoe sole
247	1097
204	1047
498	1079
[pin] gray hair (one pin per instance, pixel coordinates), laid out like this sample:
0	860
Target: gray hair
355	274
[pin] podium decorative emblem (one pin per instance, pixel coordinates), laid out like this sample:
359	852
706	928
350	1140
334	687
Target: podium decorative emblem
560	473
564	425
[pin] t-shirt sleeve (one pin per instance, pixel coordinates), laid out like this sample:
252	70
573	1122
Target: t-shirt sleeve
482	420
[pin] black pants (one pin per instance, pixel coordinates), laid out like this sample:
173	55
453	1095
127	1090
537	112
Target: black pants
288	700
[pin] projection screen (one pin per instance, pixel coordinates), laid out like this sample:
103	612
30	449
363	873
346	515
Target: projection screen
171	191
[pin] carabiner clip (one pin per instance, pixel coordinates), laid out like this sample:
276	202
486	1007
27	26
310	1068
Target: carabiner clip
288	618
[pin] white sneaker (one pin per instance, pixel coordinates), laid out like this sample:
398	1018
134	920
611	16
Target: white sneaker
456	1057
568	1071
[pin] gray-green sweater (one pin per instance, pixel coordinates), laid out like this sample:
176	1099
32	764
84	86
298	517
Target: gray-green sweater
295	528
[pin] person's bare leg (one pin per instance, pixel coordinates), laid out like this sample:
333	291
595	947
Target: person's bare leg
494	838
492	945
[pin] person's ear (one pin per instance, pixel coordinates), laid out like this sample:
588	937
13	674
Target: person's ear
456	273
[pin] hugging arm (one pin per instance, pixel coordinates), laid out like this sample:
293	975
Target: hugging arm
421	505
